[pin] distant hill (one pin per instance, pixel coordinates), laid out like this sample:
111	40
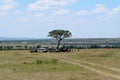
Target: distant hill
71	41
13	38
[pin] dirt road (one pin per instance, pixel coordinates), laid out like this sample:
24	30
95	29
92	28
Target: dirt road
86	65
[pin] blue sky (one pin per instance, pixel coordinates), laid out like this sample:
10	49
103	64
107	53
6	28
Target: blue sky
84	18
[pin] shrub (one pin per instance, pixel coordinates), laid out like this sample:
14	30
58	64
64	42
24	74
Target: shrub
39	61
47	61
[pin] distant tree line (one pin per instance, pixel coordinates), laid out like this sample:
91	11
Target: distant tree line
16	47
93	46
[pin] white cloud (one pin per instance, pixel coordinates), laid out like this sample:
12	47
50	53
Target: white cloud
60	12
46	4
99	9
83	12
39	15
6	5
115	10
73	1
2	13
17	12
24	19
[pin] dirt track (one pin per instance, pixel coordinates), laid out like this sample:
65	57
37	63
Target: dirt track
86	66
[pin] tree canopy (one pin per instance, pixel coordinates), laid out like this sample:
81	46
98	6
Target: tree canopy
59	35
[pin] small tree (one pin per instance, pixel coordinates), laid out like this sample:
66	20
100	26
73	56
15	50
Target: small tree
59	35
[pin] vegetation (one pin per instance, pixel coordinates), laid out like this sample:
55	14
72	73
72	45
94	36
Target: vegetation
22	65
70	43
59	35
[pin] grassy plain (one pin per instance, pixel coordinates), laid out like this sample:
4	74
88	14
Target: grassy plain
23	65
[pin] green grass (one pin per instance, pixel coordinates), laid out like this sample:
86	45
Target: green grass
45	61
22	65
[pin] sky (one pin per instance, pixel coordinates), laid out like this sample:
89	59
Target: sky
83	18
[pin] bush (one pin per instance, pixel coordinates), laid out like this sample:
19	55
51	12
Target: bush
47	61
38	61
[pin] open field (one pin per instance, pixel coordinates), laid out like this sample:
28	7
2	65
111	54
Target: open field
87	64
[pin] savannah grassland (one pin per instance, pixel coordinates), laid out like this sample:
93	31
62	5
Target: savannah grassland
87	64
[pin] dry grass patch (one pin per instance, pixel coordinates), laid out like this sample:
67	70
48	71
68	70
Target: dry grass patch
22	65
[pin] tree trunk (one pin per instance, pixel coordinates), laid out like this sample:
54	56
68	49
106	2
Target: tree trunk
58	45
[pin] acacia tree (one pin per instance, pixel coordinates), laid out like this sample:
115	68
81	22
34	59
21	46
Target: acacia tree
59	35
